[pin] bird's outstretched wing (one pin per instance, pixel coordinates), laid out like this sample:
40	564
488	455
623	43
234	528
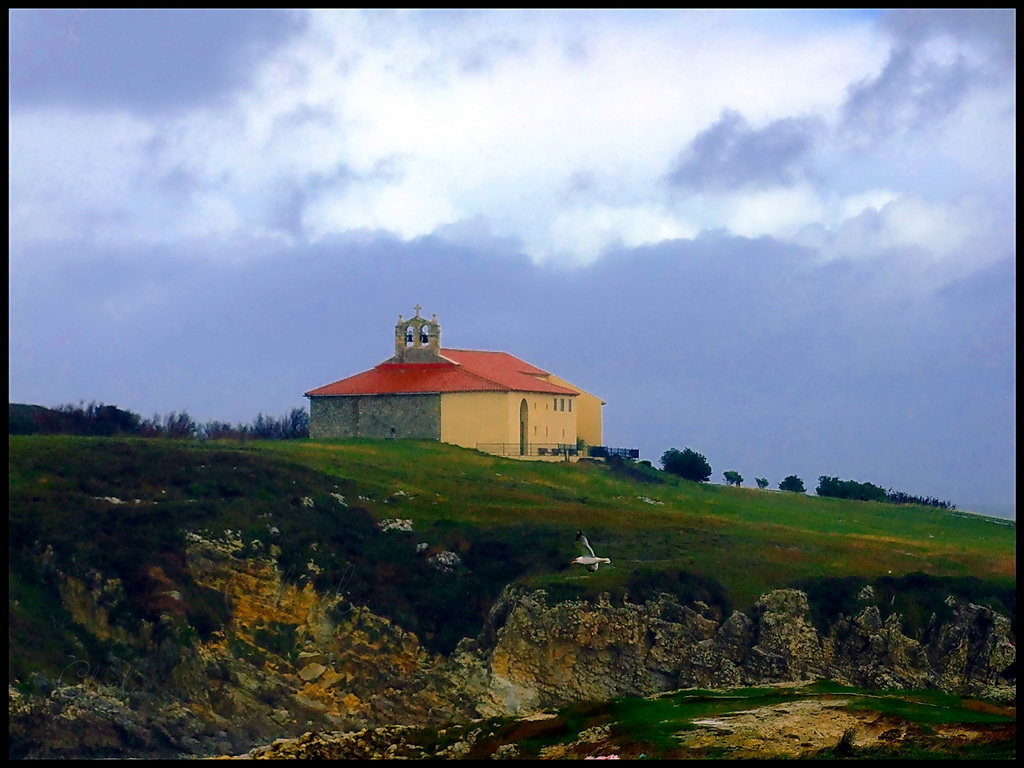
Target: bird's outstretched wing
581	539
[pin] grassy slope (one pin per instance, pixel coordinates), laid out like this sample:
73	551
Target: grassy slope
747	539
508	520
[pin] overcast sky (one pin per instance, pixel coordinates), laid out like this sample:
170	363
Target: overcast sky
785	239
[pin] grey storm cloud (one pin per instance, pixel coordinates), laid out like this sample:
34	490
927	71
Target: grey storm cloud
146	61
917	85
731	154
993	30
290	199
907	91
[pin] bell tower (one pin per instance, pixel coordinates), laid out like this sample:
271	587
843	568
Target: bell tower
417	340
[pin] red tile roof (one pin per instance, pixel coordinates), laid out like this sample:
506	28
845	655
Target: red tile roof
468	371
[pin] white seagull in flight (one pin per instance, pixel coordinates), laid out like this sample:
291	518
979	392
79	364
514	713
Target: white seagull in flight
591	561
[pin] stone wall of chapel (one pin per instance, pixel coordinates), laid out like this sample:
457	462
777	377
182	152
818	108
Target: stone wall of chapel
376	416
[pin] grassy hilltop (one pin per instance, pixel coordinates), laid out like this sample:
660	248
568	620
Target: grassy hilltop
121	507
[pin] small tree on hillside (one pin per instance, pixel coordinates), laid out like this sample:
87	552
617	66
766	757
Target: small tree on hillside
688	464
298	424
792	483
732	477
762	482
179	425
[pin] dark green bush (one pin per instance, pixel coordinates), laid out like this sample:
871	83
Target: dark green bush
849	489
792	483
688	464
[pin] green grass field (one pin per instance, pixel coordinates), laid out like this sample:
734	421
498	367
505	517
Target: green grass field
748	540
509	520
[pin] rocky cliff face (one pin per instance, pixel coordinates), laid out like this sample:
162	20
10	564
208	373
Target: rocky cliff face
289	660
534	656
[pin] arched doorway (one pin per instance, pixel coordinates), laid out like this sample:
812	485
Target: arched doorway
524	418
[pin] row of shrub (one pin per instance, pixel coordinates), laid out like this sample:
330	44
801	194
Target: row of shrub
99	420
691	465
851	489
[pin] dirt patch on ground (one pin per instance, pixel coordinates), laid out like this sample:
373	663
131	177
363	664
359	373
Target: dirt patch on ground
815	726
804	727
791	728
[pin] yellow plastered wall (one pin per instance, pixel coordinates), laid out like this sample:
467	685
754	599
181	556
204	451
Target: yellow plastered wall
587	412
563	418
548	423
470	418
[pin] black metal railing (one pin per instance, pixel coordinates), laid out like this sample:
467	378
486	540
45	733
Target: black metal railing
563	450
604	452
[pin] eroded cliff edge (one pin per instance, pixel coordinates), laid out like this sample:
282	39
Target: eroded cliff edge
290	659
534	656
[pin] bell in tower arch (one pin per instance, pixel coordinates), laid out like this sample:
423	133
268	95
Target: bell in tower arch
417	340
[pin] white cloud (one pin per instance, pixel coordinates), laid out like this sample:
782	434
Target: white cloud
776	212
853	205
410	209
414	122
939	241
581	233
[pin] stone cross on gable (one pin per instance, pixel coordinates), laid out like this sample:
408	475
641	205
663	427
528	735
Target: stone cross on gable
417	308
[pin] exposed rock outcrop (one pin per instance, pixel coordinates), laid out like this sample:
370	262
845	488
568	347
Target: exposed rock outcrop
533	655
793	722
291	660
288	660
